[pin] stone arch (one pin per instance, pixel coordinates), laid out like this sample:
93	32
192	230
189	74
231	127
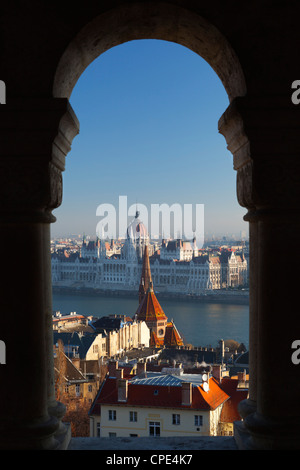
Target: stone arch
147	21
176	24
45	49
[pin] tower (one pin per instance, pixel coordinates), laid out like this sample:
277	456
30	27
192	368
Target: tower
146	278
150	310
162	332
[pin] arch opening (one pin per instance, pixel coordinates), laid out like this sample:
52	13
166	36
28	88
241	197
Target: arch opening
141	22
113	115
147	21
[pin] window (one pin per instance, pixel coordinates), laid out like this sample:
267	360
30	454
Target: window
154	428
175	419
198	420
112	415
98	429
112	434
133	416
90	388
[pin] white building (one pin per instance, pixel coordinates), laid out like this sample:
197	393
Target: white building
168	403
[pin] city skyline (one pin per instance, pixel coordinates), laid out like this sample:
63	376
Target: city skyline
148	113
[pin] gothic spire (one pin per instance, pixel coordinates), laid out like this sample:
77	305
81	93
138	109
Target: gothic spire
146	278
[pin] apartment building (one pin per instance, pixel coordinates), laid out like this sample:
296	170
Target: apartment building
167	403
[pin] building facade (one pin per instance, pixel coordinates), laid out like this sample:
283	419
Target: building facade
165	404
177	266
109	342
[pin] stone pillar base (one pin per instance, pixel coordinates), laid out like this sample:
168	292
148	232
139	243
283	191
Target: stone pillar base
241	436
63	437
246	407
62	434
36	436
259	433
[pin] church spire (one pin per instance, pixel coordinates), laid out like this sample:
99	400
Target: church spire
146	278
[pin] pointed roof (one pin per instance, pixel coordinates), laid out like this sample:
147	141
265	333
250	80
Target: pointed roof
150	310
146	278
172	336
154	341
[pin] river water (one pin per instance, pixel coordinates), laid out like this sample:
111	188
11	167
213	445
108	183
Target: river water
200	324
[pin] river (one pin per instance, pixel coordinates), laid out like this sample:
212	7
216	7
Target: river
199	323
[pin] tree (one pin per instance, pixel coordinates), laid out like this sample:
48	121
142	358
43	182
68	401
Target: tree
77	416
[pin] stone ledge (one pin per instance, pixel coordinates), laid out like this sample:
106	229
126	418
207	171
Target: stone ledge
153	444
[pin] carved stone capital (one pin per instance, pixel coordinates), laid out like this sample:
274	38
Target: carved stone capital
231	126
29	188
265	152
36	138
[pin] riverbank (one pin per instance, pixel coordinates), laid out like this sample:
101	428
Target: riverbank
225	297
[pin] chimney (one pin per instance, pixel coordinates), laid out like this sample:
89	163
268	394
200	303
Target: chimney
186	393
112	366
122	390
222	349
242	376
119	373
141	368
216	372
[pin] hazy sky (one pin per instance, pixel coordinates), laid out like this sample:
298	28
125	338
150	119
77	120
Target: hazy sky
148	113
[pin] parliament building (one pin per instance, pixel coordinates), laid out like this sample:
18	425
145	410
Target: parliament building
177	266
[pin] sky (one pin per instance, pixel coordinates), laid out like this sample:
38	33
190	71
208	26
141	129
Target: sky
148	113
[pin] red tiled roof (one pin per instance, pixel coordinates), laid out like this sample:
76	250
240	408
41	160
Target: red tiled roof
214	397
69	317
172	337
161	396
150	309
230	412
154	341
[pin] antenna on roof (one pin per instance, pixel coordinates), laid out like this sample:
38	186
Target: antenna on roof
136	210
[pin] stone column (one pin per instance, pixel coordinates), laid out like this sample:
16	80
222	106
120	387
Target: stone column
35	137
231	125
268	185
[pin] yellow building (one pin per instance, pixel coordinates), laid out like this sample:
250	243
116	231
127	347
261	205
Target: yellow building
111	342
